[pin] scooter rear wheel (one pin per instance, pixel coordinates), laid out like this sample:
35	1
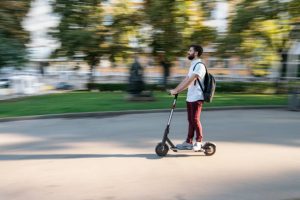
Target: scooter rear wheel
210	149
161	149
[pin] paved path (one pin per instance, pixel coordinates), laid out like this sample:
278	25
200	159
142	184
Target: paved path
258	157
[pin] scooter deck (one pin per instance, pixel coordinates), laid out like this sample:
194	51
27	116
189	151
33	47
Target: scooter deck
191	150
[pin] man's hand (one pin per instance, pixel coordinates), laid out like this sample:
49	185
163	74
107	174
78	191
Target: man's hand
173	92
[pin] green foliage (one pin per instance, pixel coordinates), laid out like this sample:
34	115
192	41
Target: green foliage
122	86
176	26
165	35
12	35
115	101
222	87
12	51
207	7
81	30
117	29
294	8
90	29
249	21
258	30
124	27
245	87
107	87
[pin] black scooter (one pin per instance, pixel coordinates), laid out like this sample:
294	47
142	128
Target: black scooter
162	148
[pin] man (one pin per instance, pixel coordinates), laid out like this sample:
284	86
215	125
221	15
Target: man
194	99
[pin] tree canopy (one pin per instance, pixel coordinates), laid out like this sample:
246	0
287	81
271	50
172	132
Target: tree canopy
259	31
13	37
96	28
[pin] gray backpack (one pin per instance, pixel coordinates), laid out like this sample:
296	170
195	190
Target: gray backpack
209	85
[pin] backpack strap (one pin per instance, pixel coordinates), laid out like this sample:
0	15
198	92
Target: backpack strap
198	78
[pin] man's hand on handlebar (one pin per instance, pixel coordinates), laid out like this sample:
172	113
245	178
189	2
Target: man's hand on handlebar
173	92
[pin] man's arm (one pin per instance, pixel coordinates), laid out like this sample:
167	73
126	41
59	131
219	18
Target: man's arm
184	84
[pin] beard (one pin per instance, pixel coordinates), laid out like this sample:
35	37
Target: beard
191	57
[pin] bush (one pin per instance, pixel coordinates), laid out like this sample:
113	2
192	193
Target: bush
245	87
222	87
122	86
260	72
107	86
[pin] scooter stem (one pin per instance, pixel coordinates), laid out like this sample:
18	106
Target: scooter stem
165	138
173	107
174	102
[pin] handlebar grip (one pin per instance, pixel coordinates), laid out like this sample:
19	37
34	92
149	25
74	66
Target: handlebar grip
175	96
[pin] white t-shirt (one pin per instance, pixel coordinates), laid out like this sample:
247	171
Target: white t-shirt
194	90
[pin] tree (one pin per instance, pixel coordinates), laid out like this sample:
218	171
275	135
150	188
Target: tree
124	25
165	35
177	24
13	37
294	8
81	30
259	30
96	28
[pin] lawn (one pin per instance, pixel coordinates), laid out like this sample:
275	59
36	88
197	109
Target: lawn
115	101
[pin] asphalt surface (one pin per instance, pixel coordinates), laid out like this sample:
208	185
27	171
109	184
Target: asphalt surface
258	157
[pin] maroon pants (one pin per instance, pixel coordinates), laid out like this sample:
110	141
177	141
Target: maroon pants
194	112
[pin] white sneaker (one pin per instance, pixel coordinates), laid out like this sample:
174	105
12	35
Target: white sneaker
184	146
198	146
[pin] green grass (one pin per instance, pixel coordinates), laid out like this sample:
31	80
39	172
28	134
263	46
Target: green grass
115	101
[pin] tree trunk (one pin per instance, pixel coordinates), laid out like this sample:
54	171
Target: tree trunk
279	83
91	78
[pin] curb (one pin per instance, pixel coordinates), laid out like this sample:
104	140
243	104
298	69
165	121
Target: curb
118	113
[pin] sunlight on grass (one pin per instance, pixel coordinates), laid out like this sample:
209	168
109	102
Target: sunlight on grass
115	101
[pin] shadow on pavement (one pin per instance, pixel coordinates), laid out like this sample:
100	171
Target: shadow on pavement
139	131
14	157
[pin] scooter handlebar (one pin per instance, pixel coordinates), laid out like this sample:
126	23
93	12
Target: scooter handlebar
175	96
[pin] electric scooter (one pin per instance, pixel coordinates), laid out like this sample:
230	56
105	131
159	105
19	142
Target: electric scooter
162	148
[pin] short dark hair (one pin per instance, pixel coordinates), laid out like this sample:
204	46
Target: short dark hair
197	48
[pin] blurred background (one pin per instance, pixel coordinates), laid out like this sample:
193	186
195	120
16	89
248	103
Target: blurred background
81	57
52	45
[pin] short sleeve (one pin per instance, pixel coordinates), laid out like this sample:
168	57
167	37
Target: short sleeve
199	70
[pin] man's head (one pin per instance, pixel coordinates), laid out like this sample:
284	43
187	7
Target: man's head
195	51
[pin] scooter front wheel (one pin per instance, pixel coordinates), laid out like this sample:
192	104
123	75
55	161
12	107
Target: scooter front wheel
161	149
210	149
